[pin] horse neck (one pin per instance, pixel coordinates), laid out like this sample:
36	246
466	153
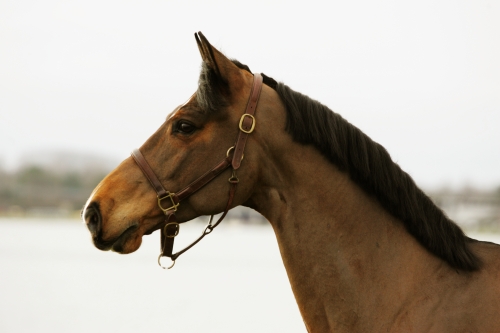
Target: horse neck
341	249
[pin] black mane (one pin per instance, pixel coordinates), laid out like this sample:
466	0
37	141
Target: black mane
371	167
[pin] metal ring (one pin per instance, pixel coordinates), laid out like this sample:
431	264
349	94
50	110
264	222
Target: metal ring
210	228
234	179
229	150
159	263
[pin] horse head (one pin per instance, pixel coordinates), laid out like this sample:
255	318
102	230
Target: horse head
195	136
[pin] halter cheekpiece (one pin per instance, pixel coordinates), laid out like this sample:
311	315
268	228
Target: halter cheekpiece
169	202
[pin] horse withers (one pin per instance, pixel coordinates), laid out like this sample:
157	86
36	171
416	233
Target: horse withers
364	248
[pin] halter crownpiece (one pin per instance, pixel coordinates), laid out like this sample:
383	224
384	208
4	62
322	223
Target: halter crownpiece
169	202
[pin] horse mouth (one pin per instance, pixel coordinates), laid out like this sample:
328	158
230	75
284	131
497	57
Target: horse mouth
117	244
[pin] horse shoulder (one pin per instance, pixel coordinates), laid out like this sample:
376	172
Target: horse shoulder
489	253
483	288
458	301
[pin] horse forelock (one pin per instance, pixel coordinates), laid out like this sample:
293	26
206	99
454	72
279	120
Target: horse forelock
211	89
210	95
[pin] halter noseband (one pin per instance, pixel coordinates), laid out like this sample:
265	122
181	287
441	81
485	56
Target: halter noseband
169	202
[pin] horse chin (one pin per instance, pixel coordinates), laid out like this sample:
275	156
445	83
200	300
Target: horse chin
129	241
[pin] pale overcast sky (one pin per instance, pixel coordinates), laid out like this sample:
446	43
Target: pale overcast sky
422	78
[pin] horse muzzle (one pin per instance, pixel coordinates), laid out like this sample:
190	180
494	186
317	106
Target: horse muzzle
93	220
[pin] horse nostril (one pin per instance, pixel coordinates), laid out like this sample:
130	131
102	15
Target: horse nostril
93	218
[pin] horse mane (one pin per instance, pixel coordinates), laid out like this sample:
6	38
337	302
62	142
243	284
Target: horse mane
370	166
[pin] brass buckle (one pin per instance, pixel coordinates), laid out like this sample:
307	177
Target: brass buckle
174	205
176	232
241	123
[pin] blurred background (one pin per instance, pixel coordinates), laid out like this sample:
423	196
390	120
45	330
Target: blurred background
82	83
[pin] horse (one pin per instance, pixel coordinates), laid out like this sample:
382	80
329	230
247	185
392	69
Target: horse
364	248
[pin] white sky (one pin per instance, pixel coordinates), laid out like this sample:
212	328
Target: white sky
422	77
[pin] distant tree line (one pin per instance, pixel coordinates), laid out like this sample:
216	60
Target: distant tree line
62	188
39	187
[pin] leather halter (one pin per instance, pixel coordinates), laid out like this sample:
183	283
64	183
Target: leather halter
169	202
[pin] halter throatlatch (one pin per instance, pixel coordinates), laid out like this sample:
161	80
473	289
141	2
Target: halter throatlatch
169	202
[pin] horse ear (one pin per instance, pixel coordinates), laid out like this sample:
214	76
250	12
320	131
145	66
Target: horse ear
223	67
207	51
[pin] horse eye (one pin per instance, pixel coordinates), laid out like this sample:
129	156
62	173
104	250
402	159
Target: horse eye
185	127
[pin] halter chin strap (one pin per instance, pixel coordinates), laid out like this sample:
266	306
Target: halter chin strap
169	202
